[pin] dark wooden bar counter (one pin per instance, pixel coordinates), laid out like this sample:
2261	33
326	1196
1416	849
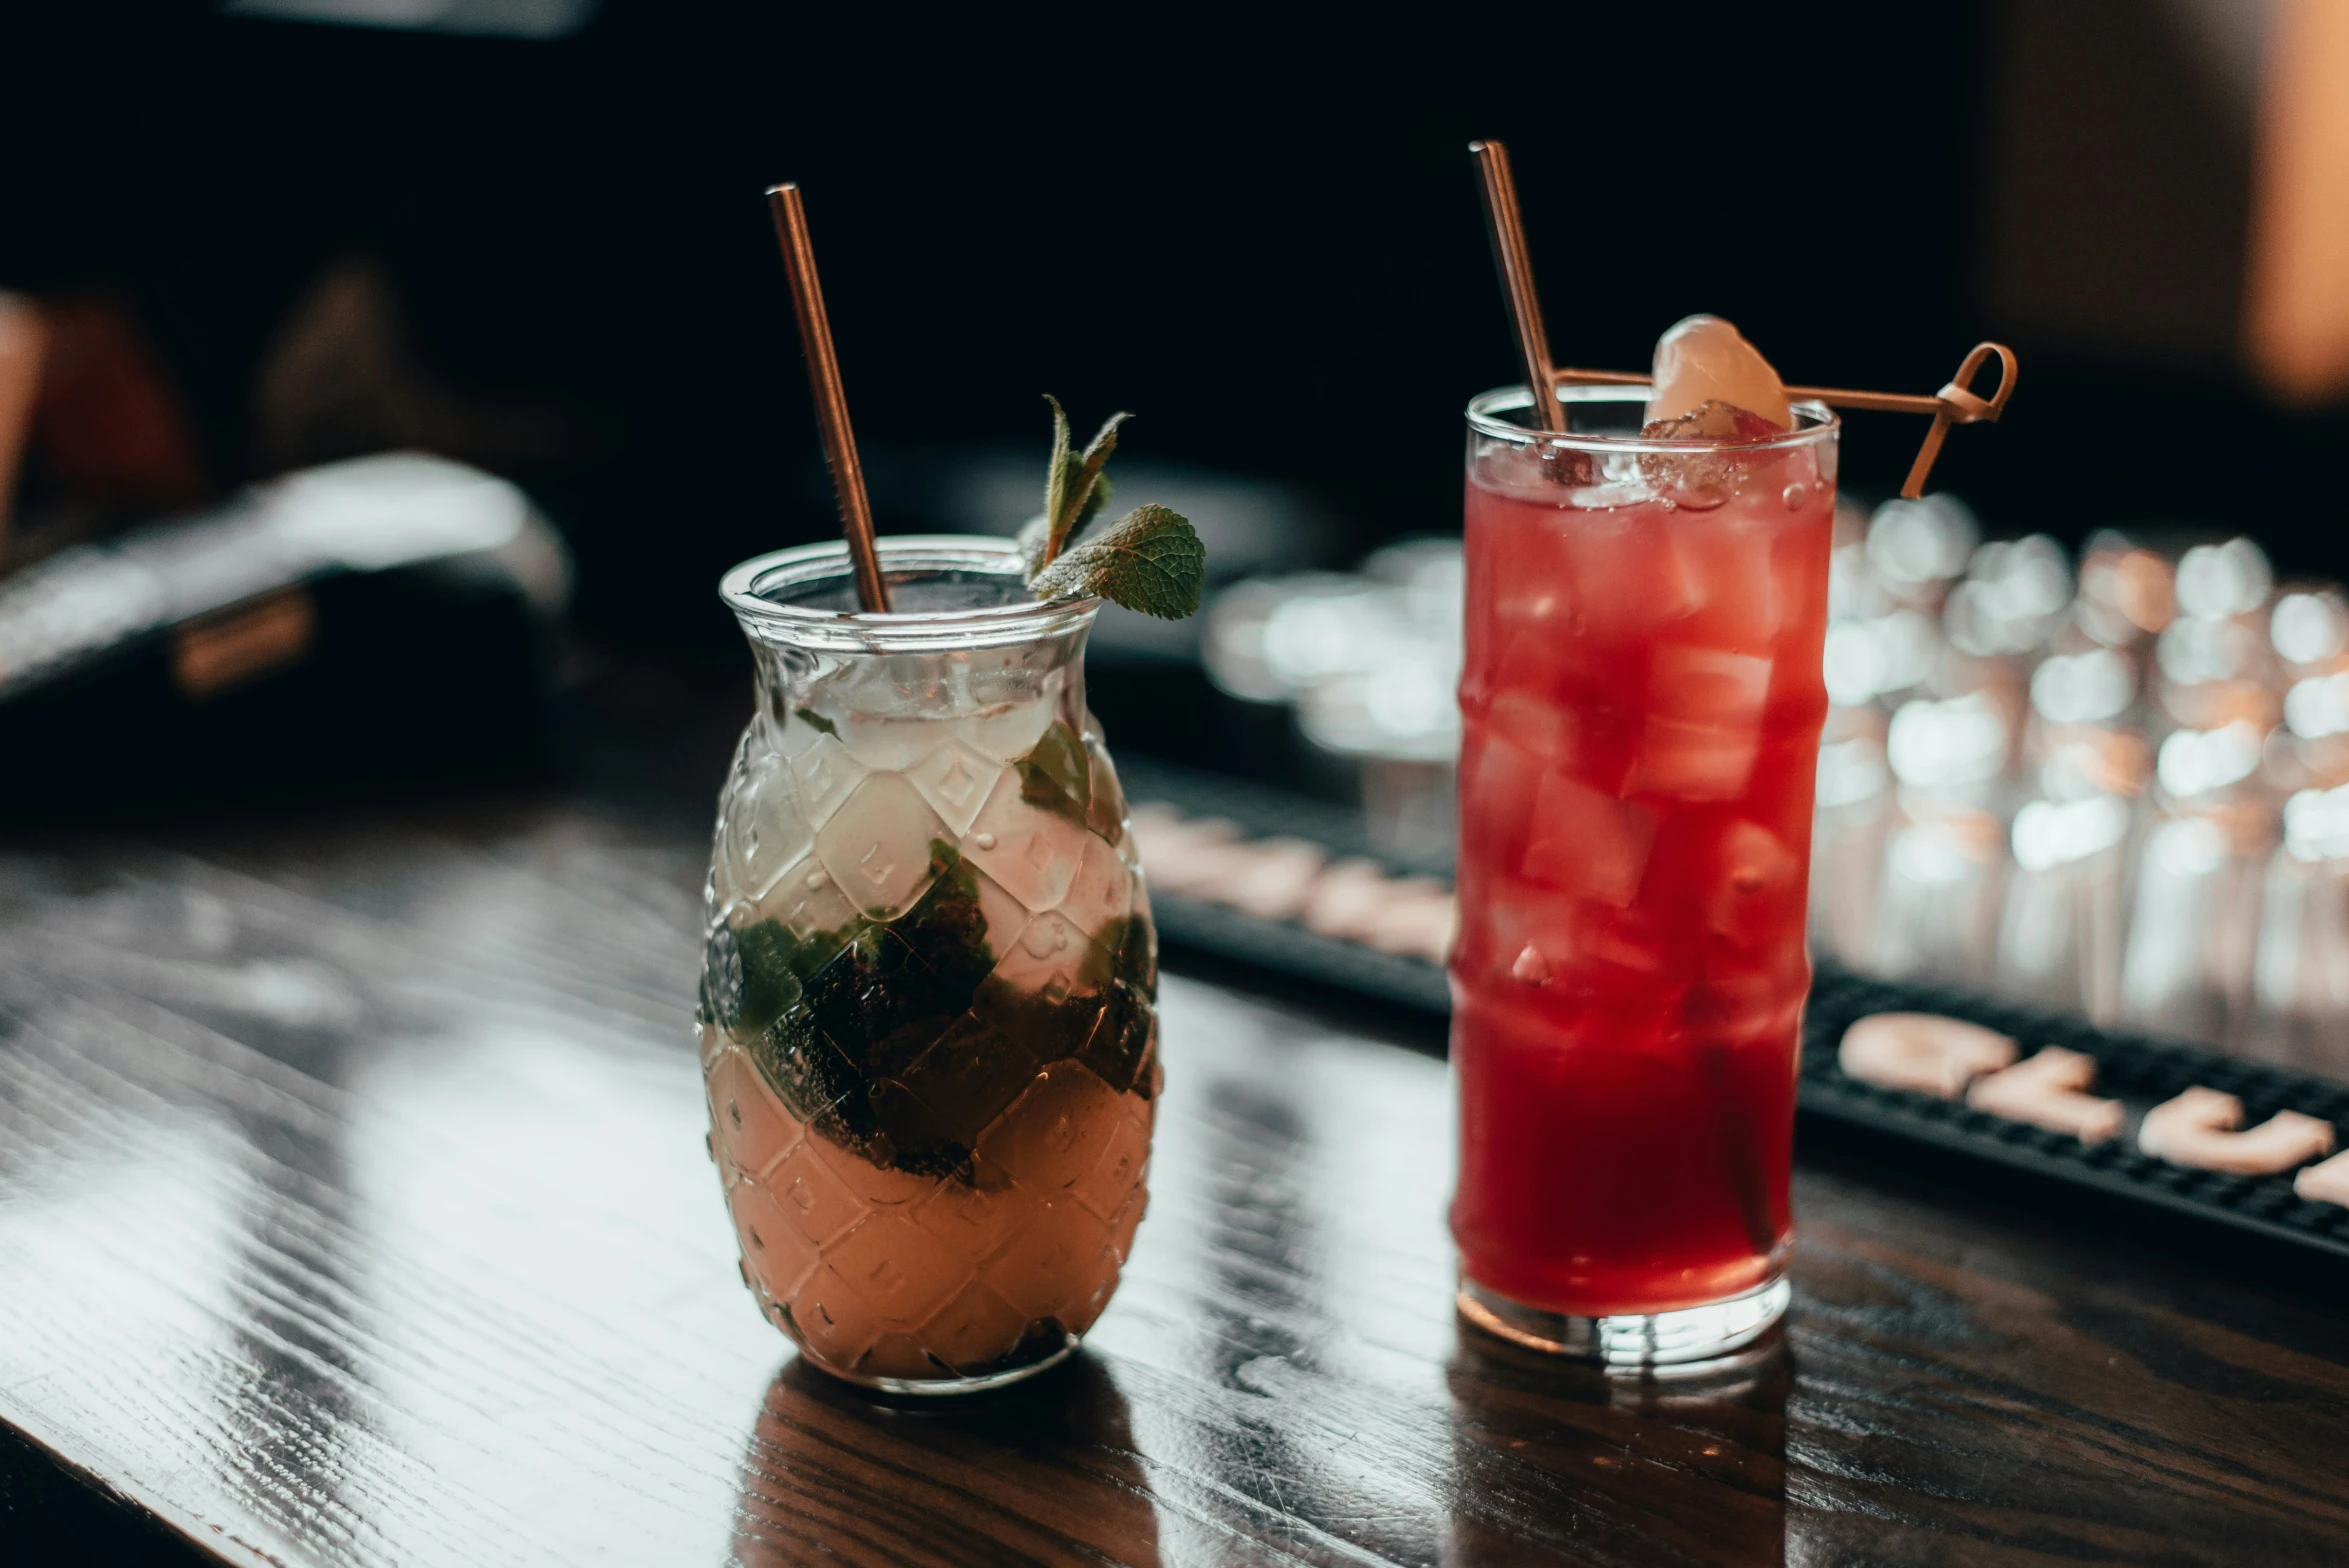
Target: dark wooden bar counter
353	1210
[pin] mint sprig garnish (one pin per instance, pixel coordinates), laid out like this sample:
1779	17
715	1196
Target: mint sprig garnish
1149	560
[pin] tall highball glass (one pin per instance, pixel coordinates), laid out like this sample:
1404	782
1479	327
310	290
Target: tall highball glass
1641	706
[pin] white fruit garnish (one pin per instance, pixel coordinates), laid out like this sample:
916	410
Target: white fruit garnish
1703	360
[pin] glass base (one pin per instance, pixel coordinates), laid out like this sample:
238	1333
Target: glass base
1685	1340
934	1386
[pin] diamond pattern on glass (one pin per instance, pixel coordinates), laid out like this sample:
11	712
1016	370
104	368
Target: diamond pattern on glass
877	846
955	780
1128	1217
1007	918
807	900
877	1187
1117	1171
752	1131
815	1200
899	1355
1102	892
1049	959
1032	853
1050	1138
764	831
974	1329
899	1269
834	1323
970	1216
929	1071
775	1249
826	773
1049	1263
969	1076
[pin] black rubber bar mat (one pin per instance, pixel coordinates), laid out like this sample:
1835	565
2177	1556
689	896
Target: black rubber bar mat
2138	1070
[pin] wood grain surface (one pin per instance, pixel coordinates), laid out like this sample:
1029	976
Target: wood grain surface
353	1210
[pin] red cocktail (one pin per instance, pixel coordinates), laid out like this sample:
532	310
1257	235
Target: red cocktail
1642	702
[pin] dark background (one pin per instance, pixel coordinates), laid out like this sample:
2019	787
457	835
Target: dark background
1256	227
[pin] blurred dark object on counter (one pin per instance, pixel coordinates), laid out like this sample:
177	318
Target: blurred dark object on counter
372	624
103	435
343	378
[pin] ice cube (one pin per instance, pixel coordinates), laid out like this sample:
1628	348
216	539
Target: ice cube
878	845
1629	579
1741	592
1499	781
1010	730
1757	886
1704	723
1587	843
956	781
890	745
1704	359
1534	723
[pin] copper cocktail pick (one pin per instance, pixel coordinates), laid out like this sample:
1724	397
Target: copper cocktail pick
1955	404
823	379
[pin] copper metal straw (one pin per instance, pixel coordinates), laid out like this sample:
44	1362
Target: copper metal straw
1505	221
1955	404
823	379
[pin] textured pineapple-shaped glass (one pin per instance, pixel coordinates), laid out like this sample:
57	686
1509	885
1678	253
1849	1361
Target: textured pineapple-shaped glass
927	1003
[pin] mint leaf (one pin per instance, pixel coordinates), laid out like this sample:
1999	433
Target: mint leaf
1056	478
1085	494
1148	560
1073	488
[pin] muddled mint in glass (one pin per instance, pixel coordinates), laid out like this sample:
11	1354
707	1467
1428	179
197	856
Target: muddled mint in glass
928	996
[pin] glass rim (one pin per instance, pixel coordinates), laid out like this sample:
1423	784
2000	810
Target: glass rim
746	584
1485	409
